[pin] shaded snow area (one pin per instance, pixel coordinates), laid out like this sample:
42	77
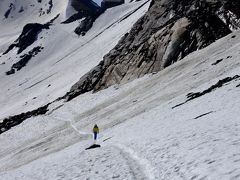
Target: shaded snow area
148	129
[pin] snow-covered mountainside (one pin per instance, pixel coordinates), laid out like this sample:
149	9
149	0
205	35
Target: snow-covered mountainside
168	32
176	122
61	57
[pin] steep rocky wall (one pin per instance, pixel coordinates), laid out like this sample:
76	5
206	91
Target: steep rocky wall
169	31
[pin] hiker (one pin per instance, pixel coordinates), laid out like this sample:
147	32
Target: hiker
95	132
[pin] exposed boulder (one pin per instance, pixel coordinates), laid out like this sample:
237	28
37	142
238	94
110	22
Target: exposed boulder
170	30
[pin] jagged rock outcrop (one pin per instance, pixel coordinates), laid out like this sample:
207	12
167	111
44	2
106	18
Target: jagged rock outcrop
230	13
169	31
86	83
29	35
12	121
24	59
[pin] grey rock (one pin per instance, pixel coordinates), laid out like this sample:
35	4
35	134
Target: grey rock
170	30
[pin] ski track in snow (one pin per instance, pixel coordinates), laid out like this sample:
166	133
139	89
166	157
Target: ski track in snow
70	122
141	168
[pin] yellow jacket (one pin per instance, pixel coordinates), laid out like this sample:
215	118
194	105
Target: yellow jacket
95	130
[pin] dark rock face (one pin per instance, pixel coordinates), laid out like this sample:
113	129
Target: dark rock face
111	3
87	23
17	119
230	14
219	84
24	60
6	14
50	3
86	83
167	33
88	10
170	30
29	35
21	10
84	26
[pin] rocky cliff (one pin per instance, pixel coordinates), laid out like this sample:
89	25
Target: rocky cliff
168	32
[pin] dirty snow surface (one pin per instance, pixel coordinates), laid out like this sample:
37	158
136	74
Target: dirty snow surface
150	128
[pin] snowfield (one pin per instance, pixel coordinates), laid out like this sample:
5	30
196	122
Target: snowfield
64	59
142	136
145	131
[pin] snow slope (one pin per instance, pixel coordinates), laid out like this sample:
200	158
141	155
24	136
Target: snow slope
64	59
142	135
32	12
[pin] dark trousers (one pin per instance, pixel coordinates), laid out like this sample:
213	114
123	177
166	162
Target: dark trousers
95	136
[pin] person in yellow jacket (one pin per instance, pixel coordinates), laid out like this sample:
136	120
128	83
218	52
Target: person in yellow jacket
95	132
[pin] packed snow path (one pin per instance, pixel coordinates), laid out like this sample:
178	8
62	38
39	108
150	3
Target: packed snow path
140	169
